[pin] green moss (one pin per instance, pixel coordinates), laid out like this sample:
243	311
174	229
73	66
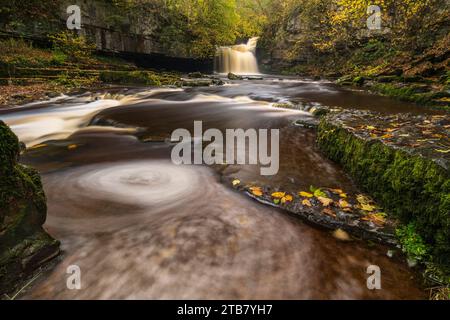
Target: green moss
23	242
410	187
411	242
139	78
411	93
358	80
9	148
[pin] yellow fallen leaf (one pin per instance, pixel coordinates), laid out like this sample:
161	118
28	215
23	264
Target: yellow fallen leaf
367	207
306	202
325	201
72	146
362	199
343	195
387	136
337	191
344	204
305	194
375	218
278	195
370	128
257	191
442	151
236	182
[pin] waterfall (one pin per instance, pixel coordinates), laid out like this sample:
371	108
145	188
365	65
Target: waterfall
238	59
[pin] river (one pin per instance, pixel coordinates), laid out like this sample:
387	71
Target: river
140	227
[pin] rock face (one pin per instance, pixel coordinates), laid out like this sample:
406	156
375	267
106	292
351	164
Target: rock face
24	245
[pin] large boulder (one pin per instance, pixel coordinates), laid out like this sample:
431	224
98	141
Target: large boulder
24	245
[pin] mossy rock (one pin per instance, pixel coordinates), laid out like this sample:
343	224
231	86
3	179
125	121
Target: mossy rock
233	76
24	245
387	79
139	78
359	81
411	187
196	75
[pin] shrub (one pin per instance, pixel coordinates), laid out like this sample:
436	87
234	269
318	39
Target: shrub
76	47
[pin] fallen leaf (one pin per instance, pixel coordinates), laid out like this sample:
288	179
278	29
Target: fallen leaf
375	218
325	201
319	193
344	204
337	191
278	195
257	191
343	195
276	201
367	207
236	182
305	194
329	212
306	202
287	198
72	146
387	136
370	128
442	151
362	199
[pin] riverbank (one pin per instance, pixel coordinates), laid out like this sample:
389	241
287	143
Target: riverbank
423	80
403	161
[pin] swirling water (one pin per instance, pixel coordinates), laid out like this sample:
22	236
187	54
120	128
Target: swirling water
140	227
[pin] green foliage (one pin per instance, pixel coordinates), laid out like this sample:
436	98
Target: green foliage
72	45
17	14
195	27
411	242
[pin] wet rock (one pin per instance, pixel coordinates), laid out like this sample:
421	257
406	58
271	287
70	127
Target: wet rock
201	82
390	253
319	111
306	124
359	81
387	79
24	245
233	76
195	75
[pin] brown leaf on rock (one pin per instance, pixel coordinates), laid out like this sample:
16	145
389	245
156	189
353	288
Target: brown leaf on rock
329	212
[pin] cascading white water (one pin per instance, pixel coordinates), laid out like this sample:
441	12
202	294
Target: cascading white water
238	59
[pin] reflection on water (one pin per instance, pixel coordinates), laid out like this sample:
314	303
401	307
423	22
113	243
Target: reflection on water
141	227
